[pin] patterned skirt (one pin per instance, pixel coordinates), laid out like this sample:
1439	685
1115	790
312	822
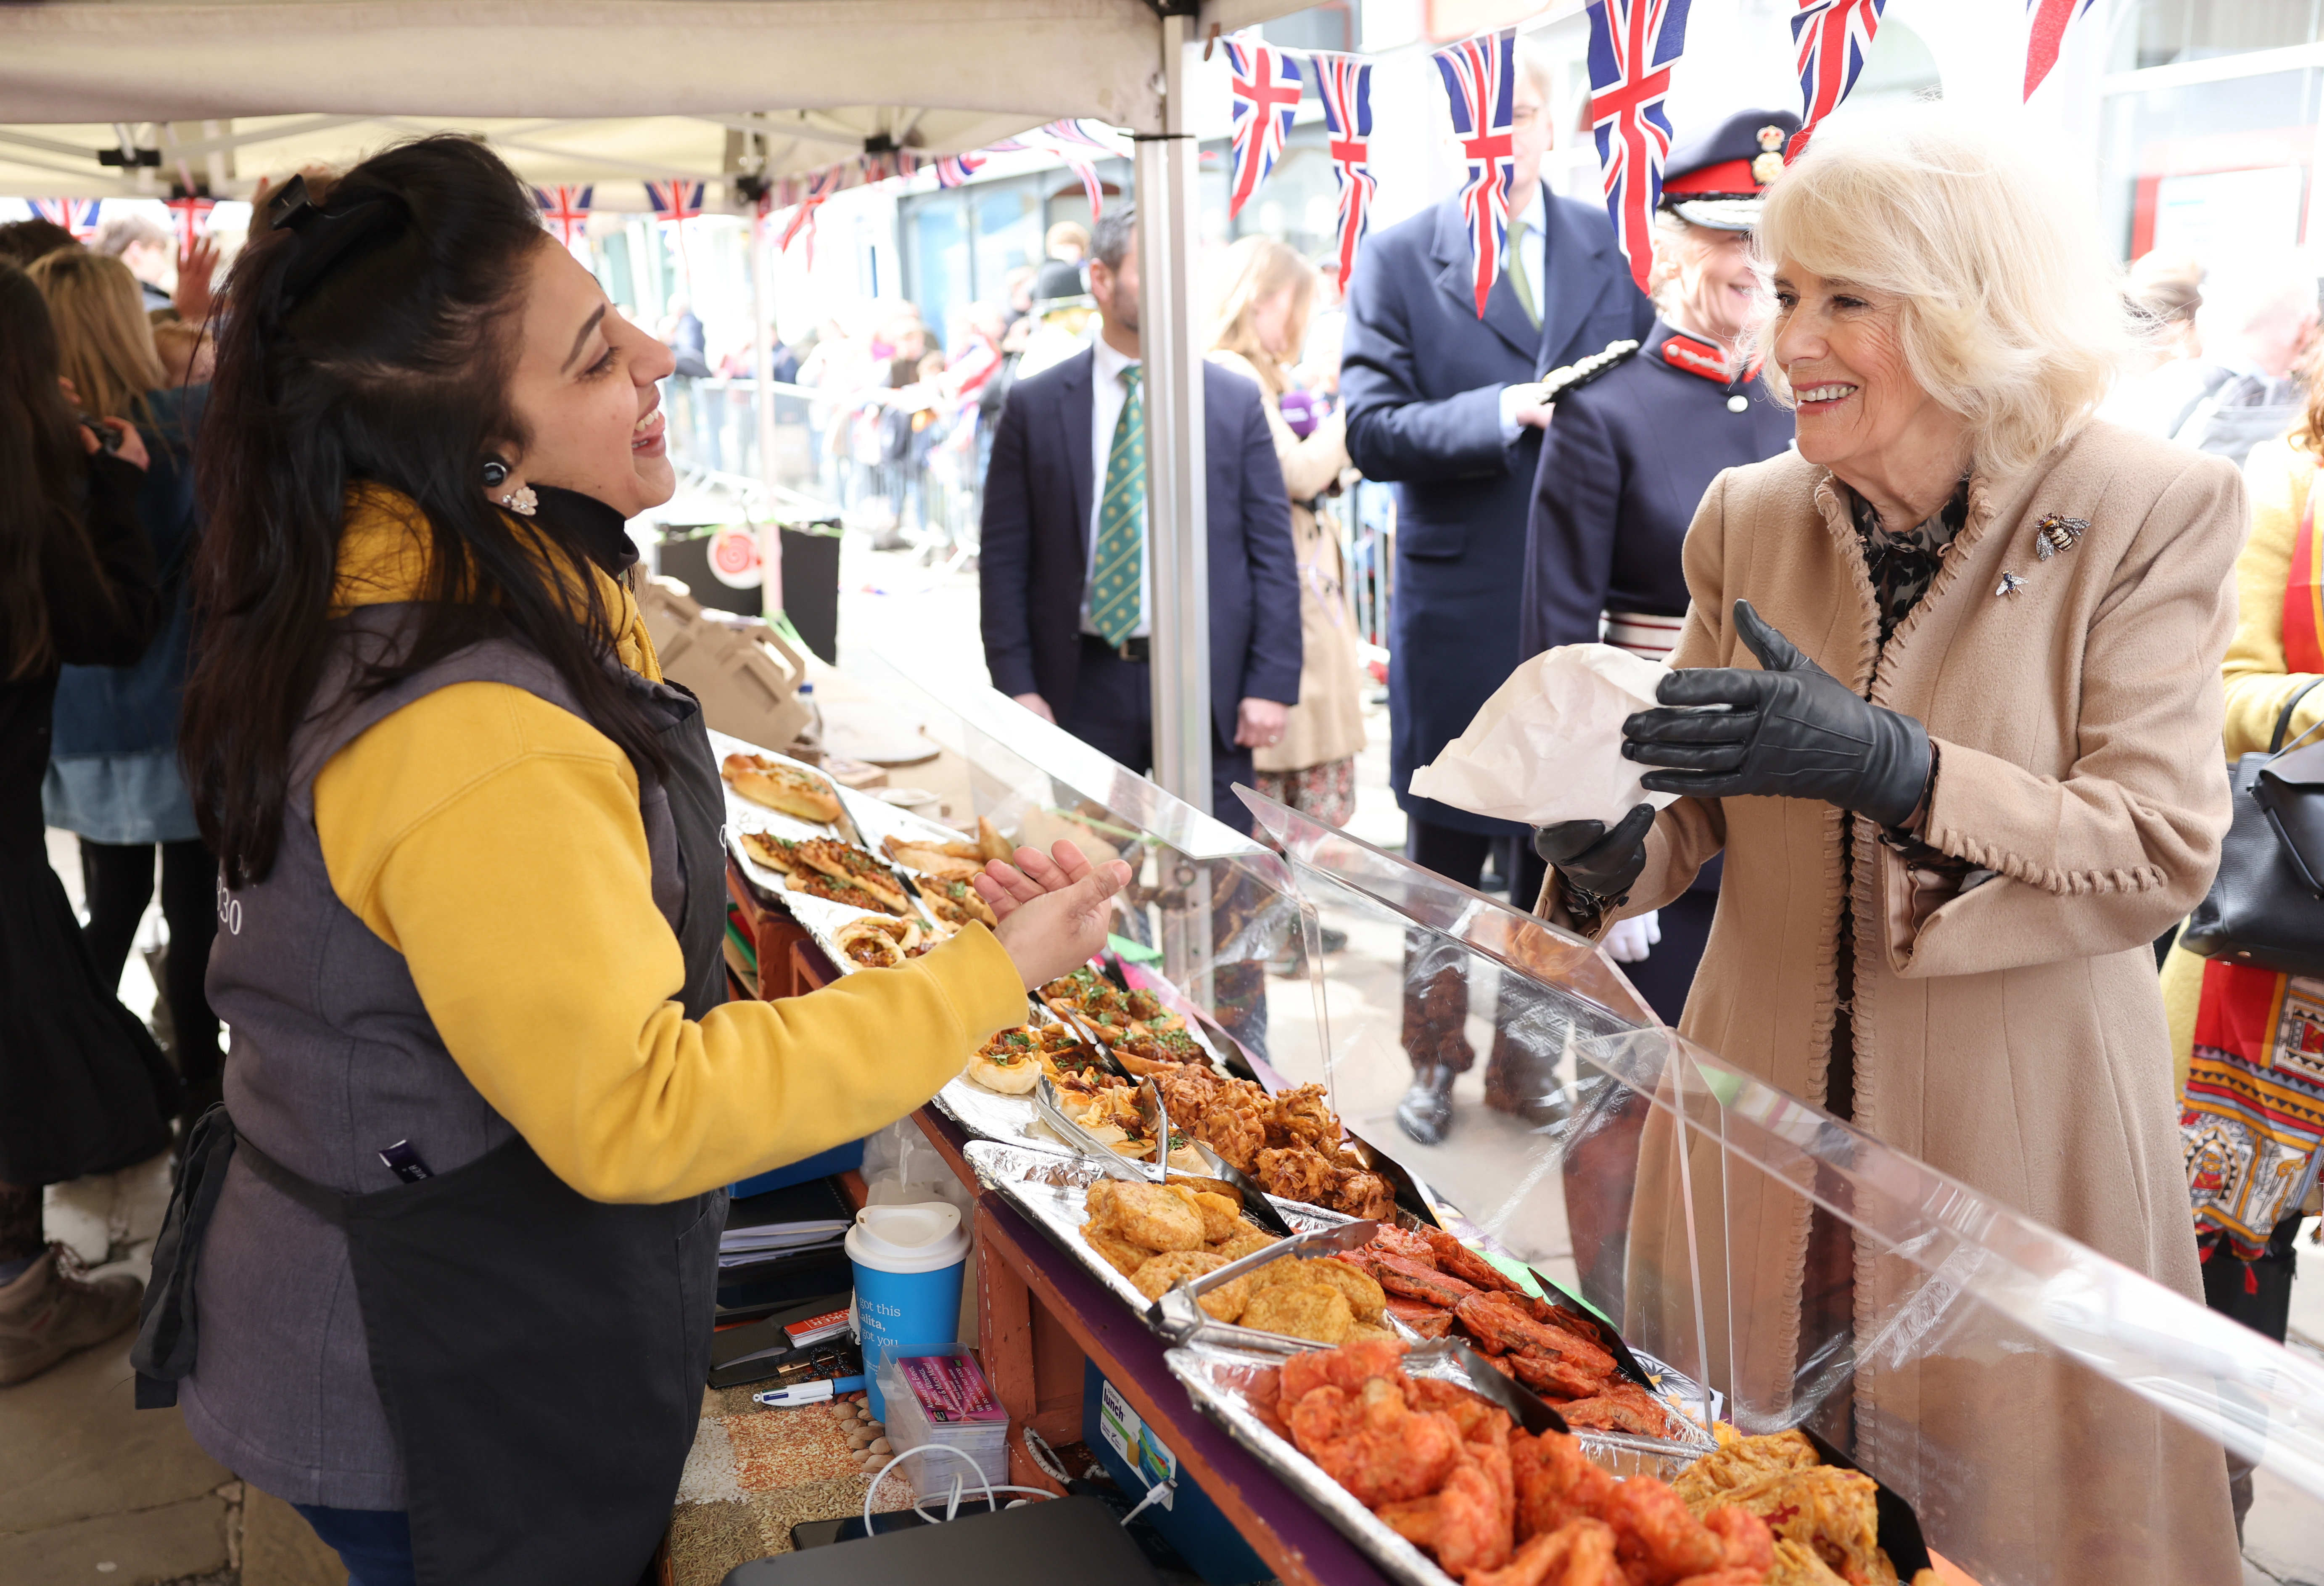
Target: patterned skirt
1325	792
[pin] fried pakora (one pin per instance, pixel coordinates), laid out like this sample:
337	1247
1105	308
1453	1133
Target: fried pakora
1313	1311
1151	1214
1830	1514
1165	1272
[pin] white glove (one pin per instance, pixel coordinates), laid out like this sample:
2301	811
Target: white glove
1627	941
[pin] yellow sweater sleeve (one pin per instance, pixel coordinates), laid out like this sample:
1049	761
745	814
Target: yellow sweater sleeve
494	841
2278	479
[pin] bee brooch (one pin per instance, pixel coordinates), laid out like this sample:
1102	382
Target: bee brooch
2054	533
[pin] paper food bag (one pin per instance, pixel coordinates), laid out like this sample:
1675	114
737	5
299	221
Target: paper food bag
1547	746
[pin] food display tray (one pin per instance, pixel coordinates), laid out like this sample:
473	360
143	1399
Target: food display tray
747	815
1051	1187
1215	1377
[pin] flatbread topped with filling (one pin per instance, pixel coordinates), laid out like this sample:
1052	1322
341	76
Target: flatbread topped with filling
793	790
875	942
777	854
845	863
957	903
1009	1063
951	862
815	884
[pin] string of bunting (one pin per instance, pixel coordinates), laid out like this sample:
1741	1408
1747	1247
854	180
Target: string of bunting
190	214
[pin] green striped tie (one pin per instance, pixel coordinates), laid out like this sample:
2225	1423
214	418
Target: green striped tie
1117	594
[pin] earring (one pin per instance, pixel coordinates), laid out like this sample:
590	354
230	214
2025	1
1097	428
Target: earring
496	472
521	501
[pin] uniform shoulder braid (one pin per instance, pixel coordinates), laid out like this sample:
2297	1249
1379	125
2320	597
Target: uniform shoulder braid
1573	376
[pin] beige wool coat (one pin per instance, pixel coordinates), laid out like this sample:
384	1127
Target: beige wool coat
2011	1036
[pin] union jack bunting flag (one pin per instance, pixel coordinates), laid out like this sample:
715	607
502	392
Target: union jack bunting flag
191	213
567	212
1633	44
1061	138
1346	85
675	201
1072	131
1833	37
1266	88
2045	31
820	186
1480	75
77	216
955	168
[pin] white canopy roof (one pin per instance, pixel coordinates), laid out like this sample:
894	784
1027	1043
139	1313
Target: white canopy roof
577	91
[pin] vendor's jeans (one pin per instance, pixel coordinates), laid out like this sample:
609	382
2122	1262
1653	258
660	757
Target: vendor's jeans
375	1545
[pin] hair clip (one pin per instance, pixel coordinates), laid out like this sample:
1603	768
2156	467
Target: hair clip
291	205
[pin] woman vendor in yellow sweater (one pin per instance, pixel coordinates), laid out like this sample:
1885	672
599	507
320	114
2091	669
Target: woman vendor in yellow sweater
2249	1043
440	1273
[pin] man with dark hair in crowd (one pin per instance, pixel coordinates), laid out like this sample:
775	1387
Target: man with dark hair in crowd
1064	589
26	243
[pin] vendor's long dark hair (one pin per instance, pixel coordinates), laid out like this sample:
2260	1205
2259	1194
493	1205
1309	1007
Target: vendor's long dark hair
39	464
389	363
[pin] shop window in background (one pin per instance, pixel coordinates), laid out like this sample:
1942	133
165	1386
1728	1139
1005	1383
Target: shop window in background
1319	27
2171	31
1008	235
1299	203
2216	169
939	277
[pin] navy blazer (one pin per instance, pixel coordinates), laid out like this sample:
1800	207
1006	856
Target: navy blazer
1622	472
1421	383
1038	494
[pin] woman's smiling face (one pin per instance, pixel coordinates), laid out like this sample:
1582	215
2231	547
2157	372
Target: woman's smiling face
586	387
1841	349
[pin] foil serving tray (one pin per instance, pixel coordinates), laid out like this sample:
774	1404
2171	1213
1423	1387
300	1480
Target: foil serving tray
1051	1189
1215	1376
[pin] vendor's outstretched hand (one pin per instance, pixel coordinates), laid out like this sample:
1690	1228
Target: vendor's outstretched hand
1790	731
1053	913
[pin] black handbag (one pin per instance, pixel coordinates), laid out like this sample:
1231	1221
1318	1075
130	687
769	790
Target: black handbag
2265	907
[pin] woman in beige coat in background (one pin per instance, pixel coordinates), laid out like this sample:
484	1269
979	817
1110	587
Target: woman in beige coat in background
1261	325
1954	818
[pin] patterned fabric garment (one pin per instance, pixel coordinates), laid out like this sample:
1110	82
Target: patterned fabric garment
1903	566
1326	792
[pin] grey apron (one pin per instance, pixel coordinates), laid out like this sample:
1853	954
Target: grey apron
540	1356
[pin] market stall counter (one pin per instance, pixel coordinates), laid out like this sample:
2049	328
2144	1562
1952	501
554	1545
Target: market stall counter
1229	1072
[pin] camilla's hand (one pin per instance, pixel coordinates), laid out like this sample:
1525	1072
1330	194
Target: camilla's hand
1791	730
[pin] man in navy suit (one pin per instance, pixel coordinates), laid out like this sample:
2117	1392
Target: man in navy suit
1063	562
1447	407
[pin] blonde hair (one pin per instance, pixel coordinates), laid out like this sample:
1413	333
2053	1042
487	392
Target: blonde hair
2009	312
1258	267
104	342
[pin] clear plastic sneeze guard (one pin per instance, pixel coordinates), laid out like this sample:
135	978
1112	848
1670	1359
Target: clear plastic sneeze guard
2049	1414
1210	910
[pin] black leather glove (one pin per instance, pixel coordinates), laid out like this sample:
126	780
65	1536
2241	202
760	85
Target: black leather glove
1601	862
1793	730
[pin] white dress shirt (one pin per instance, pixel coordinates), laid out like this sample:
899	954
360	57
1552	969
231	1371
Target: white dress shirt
1107	395
1531	255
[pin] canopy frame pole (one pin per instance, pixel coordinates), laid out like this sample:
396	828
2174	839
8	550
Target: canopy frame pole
762	407
1176	507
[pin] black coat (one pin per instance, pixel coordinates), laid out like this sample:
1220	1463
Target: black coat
1624	467
1039	493
1421	381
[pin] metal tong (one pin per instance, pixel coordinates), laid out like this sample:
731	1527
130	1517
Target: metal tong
1178	1315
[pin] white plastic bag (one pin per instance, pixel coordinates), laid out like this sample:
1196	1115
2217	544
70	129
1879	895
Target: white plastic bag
1547	746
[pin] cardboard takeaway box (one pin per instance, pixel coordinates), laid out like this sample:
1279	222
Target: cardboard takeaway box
743	673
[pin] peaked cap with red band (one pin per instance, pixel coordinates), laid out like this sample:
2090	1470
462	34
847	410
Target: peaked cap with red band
1718	173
